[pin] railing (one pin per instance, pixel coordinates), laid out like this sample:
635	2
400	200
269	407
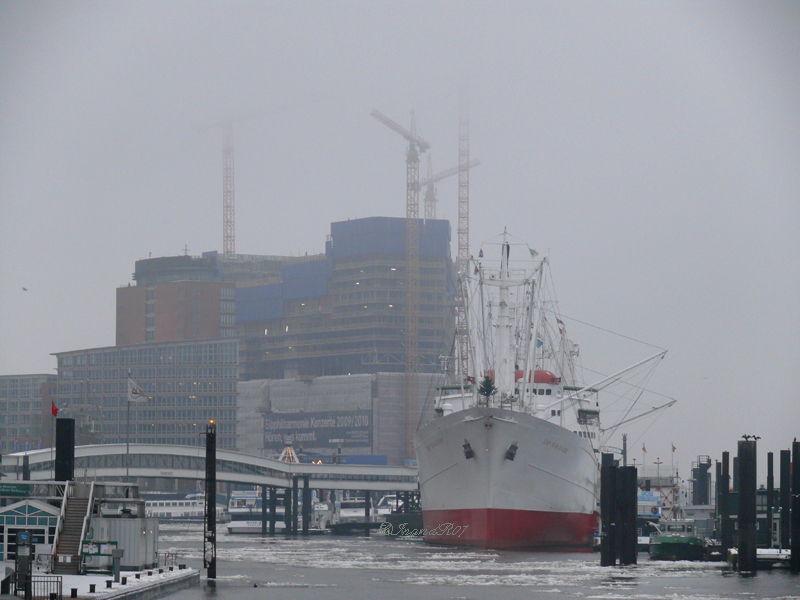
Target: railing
167	559
87	518
43	587
67	490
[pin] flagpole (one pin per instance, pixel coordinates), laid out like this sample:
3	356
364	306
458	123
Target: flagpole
53	446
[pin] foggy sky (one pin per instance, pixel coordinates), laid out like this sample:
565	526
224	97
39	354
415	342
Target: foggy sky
652	150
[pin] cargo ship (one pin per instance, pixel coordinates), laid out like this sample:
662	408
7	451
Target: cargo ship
512	458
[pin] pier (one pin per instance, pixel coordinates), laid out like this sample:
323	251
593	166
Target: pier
111	461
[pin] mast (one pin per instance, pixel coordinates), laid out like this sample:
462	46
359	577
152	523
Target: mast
505	367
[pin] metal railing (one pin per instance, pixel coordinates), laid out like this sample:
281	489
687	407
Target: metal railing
87	518
43	587
67	490
167	559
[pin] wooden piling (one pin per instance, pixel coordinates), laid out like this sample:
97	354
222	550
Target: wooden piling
366	512
785	497
770	495
747	507
306	504
794	563
608	488
287	511
295	498
273	508
726	525
626	510
263	510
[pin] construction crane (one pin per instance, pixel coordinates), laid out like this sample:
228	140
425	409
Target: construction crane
430	179
228	143
462	258
416	145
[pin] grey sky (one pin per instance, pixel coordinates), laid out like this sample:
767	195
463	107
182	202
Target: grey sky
653	149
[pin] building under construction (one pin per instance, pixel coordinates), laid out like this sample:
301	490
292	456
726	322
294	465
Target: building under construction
338	313
256	342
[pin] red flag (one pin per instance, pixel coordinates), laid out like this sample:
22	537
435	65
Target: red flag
644	449
54	408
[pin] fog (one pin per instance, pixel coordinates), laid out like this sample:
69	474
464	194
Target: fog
651	150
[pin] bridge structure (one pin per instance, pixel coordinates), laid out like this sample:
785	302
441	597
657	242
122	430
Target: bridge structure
116	462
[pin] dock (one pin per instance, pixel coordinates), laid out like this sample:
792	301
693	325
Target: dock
766	558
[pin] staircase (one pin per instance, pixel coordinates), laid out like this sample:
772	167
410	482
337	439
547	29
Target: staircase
70	536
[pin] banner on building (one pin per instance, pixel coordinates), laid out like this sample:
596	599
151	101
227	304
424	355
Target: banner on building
326	429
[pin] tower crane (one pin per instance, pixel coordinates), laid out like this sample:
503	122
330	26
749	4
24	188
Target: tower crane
228	142
430	193
462	335
416	145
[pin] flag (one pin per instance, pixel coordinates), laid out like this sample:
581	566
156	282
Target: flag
135	393
533	252
539	340
644	449
480	253
673	447
53	408
560	326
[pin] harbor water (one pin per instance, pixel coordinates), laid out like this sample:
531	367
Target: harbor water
381	567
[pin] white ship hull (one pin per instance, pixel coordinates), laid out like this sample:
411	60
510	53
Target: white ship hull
546	496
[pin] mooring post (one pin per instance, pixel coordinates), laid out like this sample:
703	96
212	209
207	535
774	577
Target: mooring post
608	485
287	511
295	498
785	499
747	506
306	503
770	497
366	512
725	525
626	502
210	521
794	563
717	508
263	510
273	508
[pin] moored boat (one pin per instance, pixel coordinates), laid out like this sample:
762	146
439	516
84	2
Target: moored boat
678	539
191	509
676	546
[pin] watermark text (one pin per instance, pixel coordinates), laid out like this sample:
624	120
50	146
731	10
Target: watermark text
402	529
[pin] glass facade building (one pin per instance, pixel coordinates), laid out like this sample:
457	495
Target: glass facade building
25	421
187	383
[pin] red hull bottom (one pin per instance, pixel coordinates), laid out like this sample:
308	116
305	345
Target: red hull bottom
507	528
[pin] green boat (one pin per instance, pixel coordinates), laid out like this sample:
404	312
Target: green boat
677	546
677	540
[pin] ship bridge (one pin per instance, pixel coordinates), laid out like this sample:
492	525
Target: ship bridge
115	462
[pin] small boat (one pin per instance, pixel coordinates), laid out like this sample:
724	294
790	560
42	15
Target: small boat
677	540
188	509
245	511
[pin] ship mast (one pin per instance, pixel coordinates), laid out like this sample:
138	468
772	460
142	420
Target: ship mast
505	366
